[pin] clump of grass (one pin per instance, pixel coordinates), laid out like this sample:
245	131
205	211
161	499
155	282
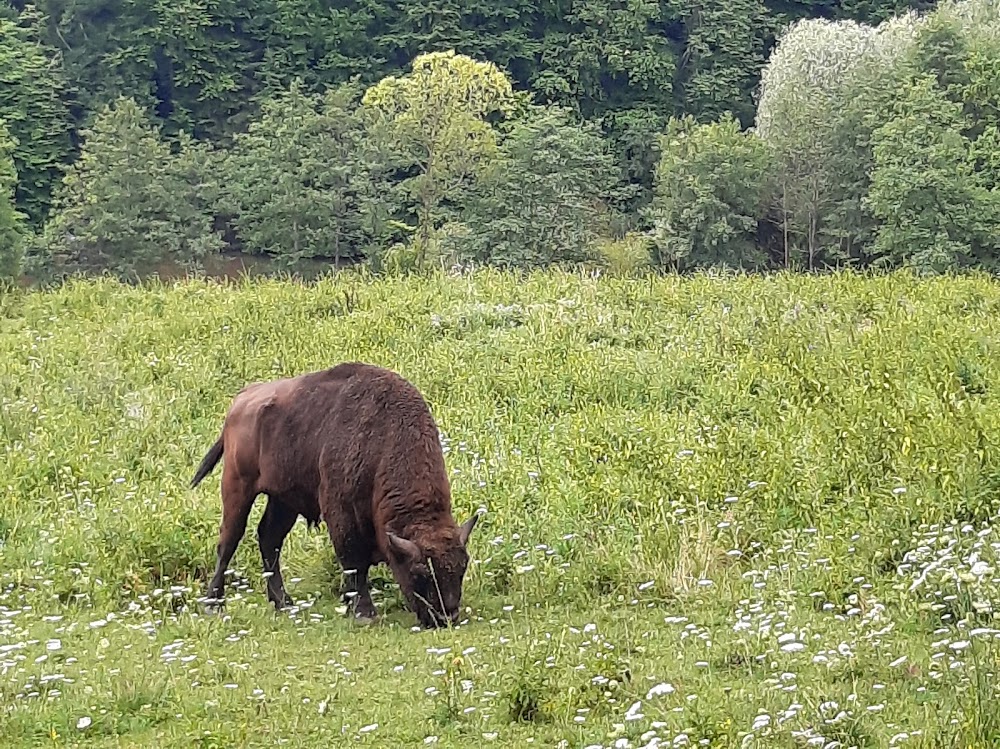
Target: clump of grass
625	256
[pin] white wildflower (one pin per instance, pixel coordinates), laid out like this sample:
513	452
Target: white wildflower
659	689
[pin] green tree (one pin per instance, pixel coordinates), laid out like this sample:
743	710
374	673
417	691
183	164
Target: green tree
819	90
959	44
11	220
981	94
936	212
633	136
713	186
321	43
544	199
434	120
601	56
125	204
940	49
192	63
33	102
299	178
723	55
196	171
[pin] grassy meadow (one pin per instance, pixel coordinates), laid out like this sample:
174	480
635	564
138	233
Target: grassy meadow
720	511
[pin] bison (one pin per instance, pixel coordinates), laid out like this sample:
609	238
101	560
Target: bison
355	446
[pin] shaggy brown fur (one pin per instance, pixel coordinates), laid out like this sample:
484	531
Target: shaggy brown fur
355	446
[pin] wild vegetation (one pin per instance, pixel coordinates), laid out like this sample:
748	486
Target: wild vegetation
719	511
403	135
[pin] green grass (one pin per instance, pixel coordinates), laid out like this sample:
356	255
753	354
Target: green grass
764	492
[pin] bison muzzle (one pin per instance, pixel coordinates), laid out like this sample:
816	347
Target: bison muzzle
355	446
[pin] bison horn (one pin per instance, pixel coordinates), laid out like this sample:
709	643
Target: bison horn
466	530
404	546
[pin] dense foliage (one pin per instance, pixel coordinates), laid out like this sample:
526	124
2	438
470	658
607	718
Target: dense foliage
297	182
11	231
124	203
751	134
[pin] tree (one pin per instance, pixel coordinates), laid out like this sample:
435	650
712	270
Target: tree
196	173
819	89
299	177
11	220
802	87
723	56
713	186
604	55
124	205
435	120
633	136
543	200
33	102
935	209
192	63
321	44
981	94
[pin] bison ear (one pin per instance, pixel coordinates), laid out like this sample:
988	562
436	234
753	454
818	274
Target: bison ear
404	547
466	530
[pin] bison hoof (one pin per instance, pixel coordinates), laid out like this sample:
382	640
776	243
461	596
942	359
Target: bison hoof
282	603
214	607
365	614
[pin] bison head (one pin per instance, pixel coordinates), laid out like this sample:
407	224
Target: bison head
430	571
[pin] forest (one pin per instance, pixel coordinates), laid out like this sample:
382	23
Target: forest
627	134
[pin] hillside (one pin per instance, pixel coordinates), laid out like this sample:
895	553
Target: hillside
742	511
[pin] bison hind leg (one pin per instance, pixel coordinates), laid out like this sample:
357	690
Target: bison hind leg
237	500
275	524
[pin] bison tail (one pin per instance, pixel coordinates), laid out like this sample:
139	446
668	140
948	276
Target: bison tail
208	462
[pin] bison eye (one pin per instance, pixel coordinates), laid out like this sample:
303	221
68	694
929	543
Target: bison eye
421	579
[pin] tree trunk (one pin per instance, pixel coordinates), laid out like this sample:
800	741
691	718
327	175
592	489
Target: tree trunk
784	222
424	212
813	226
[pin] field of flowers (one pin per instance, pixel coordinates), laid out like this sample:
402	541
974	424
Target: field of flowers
719	511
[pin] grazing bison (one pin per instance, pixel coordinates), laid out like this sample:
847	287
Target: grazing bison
357	447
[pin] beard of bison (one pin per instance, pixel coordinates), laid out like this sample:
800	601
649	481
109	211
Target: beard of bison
430	575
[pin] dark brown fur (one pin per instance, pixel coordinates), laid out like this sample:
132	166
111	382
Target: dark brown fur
355	446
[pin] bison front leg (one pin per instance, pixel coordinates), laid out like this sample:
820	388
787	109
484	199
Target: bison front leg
274	526
359	594
237	500
355	559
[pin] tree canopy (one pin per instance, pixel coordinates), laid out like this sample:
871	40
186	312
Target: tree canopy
433	122
750	134
124	203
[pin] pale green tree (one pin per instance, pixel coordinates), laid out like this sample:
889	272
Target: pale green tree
434	121
812	86
299	178
125	205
